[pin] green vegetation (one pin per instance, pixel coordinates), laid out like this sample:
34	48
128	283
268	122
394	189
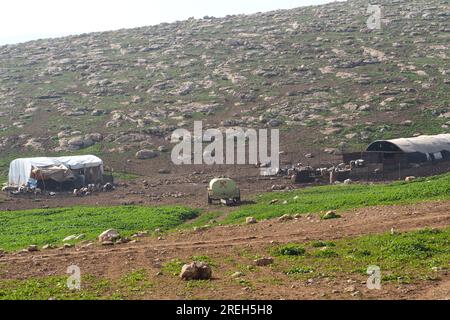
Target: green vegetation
342	197
290	250
321	244
49	226
401	257
173	267
206	218
404	258
54	288
132	285
299	270
18	229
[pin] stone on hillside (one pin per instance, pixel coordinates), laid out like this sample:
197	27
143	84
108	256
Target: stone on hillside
196	271
146	154
185	89
262	262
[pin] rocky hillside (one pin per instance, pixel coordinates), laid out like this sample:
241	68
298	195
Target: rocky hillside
316	72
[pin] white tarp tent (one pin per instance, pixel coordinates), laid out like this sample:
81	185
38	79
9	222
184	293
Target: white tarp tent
20	170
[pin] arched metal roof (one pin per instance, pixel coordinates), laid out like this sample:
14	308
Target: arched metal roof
423	144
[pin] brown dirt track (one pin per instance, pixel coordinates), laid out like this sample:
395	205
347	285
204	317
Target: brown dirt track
225	242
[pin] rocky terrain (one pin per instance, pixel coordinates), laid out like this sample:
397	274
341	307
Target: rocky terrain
316	72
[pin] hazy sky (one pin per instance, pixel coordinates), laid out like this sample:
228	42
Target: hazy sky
23	20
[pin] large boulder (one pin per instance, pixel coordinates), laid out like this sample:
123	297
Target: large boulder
196	271
78	142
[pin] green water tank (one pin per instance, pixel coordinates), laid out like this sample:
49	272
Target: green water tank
223	188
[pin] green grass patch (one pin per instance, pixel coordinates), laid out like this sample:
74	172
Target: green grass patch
173	267
124	176
299	270
18	229
343	197
131	285
205	259
289	250
321	244
404	257
206	218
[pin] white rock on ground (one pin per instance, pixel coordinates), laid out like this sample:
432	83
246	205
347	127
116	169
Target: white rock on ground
109	235
146	154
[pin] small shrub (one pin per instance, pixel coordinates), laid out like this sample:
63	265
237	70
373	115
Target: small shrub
321	244
290	250
299	270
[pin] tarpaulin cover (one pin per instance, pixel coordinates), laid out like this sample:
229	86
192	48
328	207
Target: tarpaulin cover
20	169
423	144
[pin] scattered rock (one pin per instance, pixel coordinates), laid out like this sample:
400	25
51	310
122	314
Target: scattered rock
285	217
196	271
32	248
146	154
109	235
350	289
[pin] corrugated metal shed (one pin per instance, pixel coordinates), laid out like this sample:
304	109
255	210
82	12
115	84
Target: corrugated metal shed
423	144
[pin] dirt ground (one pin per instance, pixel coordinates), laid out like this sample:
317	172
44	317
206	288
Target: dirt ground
182	186
224	243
